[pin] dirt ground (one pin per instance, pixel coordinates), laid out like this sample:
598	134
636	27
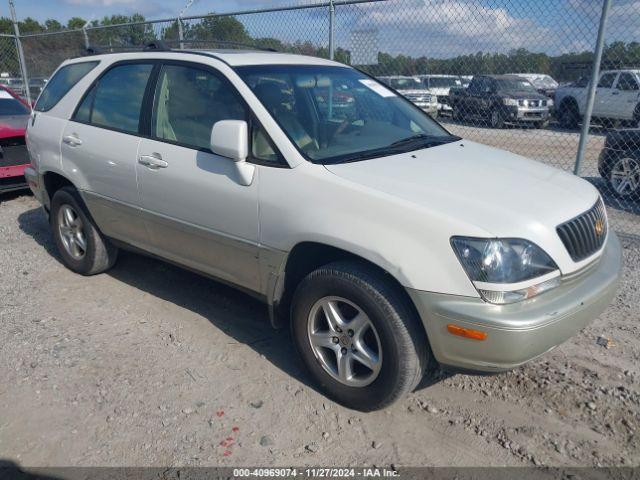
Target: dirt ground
153	365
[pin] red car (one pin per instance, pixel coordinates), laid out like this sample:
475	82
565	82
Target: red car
14	115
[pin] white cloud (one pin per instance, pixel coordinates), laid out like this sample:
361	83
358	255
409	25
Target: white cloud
444	28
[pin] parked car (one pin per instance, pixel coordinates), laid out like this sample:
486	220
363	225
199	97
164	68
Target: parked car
386	243
617	99
619	162
439	85
413	89
545	84
466	80
501	99
14	115
15	84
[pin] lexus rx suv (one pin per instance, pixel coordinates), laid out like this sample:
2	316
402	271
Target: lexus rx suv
385	243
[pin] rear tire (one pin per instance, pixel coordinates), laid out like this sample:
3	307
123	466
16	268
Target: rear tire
82	246
353	293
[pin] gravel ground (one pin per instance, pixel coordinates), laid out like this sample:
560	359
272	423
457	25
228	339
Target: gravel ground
153	365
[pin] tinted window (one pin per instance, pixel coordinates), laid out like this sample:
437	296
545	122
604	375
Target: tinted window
61	83
606	80
582	82
188	101
9	105
627	82
116	100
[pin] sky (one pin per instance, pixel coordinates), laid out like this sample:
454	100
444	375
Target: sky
439	28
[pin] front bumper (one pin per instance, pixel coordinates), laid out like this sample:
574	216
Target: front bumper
526	114
12	178
519	332
427	107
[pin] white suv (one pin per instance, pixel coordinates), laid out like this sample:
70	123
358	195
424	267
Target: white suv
386	243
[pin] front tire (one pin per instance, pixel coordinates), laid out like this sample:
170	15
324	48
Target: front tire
358	335
82	246
496	119
624	175
569	116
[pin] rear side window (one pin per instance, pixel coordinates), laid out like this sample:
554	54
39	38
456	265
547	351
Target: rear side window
115	100
61	83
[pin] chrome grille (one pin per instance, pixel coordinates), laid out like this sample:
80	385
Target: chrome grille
584	235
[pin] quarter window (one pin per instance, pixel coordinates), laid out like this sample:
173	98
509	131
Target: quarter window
188	101
61	83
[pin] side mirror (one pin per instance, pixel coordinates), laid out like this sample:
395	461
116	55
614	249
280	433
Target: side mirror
230	138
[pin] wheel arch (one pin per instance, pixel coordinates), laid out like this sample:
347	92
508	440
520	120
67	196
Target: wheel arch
52	182
307	256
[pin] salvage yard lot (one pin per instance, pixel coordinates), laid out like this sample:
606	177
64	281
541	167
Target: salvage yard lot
153	365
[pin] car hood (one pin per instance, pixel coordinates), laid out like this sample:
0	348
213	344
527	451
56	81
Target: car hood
414	91
520	95
13	125
504	194
440	90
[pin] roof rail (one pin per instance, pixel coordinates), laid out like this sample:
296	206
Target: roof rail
228	43
93	50
156	45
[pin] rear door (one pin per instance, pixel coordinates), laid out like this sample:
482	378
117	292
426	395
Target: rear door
197	211
101	142
624	97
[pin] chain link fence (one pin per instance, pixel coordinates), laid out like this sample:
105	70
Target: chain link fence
507	73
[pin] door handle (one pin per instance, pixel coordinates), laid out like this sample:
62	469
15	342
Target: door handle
153	161
615	93
72	140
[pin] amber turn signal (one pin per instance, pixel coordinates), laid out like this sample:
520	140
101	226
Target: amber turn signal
466	332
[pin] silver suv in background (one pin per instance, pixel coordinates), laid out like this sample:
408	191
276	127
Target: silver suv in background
413	89
440	86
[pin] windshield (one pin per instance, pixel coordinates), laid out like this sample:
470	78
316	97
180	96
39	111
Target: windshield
9	105
337	114
517	85
443	82
404	83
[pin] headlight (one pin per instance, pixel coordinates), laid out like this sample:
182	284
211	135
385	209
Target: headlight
549	103
506	270
510	102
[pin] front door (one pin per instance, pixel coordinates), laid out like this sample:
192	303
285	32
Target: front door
196	210
624	96
602	105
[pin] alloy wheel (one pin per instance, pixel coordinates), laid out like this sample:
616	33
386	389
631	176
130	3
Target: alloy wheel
344	341
625	176
71	231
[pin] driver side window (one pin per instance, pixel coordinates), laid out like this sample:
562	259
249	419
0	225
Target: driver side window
188	101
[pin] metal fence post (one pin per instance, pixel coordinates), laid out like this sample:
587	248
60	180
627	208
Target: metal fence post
180	33
593	83
332	18
23	65
86	35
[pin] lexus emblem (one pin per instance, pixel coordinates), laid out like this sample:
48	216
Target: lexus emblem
599	227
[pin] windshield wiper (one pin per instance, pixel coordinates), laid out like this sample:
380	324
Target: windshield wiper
404	145
424	140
